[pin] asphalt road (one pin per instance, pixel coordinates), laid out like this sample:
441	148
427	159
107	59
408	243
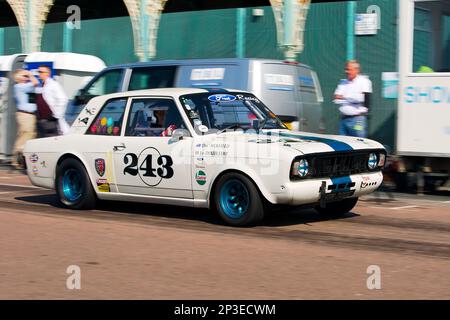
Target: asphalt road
143	251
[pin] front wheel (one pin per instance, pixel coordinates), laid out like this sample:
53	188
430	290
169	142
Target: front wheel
338	208
73	186
238	201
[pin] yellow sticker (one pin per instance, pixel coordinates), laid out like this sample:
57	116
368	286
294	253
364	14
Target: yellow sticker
288	125
103	187
358	127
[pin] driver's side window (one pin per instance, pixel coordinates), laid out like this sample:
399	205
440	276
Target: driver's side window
153	118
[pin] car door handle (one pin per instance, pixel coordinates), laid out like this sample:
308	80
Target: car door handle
119	147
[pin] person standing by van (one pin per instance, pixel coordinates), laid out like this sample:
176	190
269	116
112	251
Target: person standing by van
51	103
353	97
25	114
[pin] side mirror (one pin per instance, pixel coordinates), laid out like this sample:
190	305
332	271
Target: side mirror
179	134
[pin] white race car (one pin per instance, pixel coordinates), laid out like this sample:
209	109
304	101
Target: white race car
201	148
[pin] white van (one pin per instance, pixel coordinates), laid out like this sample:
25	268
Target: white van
291	90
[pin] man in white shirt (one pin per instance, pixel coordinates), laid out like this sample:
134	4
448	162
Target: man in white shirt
353	97
51	103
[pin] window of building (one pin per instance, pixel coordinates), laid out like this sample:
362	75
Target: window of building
431	50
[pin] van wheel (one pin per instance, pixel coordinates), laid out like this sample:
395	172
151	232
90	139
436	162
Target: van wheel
73	186
338	208
238	201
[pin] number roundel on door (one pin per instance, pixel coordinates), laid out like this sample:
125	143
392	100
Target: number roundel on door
150	165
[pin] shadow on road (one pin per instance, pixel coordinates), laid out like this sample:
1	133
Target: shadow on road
275	218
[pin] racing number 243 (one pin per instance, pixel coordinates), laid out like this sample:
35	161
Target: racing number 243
164	162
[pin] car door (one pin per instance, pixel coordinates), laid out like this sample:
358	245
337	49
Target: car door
147	160
99	141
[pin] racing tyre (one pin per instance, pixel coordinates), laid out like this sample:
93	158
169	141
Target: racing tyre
238	201
73	185
338	208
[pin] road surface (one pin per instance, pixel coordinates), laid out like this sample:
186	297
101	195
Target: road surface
143	251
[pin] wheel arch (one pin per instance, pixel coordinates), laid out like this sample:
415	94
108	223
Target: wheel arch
258	184
71	155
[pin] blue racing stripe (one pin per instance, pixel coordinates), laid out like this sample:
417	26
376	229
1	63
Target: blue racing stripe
335	144
341	180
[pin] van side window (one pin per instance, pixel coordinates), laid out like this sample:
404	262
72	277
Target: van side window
109	120
151	78
108	82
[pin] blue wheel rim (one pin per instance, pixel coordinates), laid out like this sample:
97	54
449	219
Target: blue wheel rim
71	185
234	199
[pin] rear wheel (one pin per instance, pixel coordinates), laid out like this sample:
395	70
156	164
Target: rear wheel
338	208
238	201
73	186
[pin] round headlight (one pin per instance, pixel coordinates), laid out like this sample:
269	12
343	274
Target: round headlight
373	161
302	167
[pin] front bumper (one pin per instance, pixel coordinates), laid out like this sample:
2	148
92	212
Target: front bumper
325	189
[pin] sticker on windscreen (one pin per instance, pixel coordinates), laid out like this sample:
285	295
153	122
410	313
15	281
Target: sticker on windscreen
221	98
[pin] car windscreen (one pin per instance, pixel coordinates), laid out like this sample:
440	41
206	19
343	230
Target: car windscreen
210	112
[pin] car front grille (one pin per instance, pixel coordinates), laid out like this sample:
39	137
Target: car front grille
338	165
330	165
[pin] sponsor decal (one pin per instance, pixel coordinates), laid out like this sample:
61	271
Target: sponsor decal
103	187
247	98
221	98
100	166
366	182
200	177
84	120
43	164
90	111
35	170
34	158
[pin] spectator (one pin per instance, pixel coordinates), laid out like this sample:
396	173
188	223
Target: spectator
51	105
25	114
353	96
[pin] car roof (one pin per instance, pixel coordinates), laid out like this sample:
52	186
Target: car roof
168	92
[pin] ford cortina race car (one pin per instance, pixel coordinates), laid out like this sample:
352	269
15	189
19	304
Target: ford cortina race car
193	147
